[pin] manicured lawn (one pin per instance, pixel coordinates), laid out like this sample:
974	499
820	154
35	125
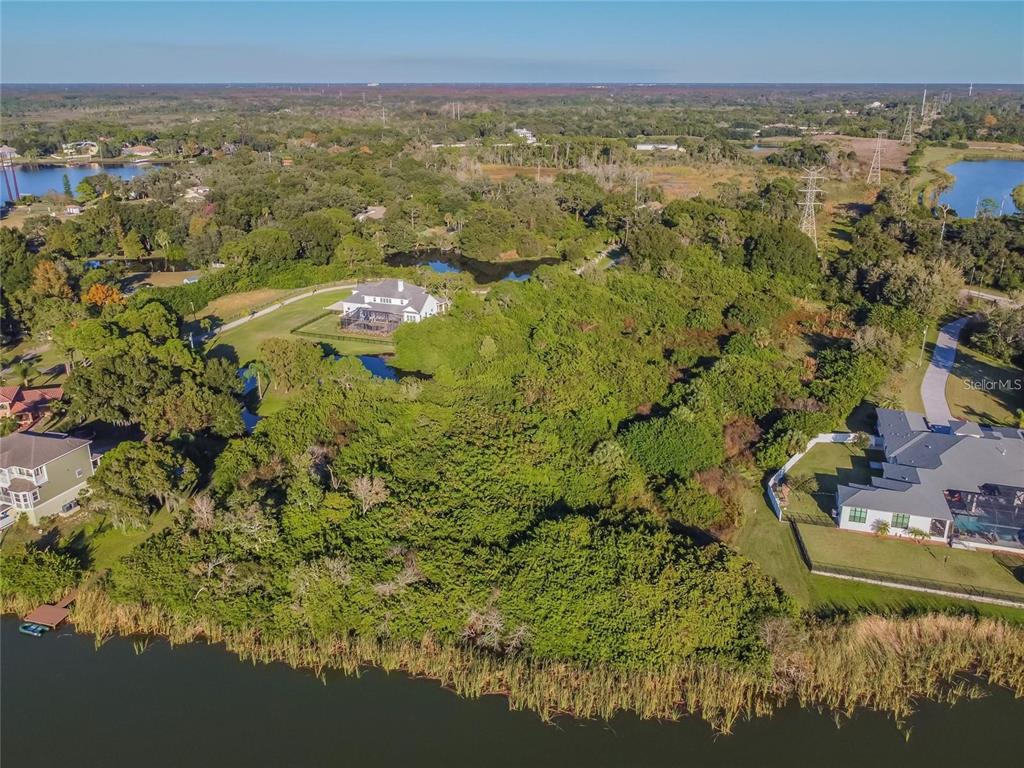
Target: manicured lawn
907	383
41	355
825	466
771	545
953	569
234	305
983	389
242	343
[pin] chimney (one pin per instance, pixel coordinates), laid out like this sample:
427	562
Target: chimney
401	285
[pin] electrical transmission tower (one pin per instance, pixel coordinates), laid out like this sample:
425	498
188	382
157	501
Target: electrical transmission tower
875	172
811	190
908	128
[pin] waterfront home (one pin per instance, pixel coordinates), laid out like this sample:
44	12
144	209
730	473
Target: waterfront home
961	483
27	405
80	149
8	152
139	150
382	306
41	474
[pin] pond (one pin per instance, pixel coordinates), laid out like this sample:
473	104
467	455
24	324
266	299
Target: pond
483	272
198	705
40	179
976	180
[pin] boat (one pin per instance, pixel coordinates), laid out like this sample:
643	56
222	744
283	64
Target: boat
36	630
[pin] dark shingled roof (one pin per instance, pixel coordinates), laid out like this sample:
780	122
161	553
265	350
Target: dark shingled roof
30	450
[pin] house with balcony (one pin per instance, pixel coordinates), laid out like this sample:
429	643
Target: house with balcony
41	474
961	483
380	307
27	405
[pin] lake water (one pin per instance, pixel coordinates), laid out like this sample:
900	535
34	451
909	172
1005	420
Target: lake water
41	179
483	272
979	179
198	705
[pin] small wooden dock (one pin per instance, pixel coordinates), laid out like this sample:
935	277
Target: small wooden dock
52	616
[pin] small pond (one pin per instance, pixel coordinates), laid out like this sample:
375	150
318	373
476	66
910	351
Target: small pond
483	272
978	180
41	179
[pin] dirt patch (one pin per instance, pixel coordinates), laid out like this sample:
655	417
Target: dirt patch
237	304
161	279
894	154
507	172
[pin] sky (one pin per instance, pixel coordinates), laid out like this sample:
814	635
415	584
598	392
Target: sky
520	42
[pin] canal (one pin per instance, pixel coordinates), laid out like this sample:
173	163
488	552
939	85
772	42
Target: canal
198	705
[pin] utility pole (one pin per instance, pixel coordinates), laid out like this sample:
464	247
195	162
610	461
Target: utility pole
875	172
908	129
942	231
970	91
924	338
808	221
924	100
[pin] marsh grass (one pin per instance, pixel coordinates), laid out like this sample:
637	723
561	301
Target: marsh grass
873	662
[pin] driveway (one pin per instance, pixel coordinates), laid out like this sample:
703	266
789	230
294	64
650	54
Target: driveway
933	388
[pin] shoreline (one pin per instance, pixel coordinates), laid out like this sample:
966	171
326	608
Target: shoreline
813	663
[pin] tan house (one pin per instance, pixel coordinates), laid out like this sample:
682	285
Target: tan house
139	150
27	405
41	474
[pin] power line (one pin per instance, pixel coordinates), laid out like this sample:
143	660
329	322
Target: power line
875	172
908	129
811	190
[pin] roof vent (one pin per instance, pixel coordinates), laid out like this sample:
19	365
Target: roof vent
401	285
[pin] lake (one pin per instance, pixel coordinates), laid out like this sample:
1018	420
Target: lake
41	179
483	272
198	705
979	179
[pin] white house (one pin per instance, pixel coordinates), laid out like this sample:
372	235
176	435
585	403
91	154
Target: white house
373	212
962	483
657	148
382	306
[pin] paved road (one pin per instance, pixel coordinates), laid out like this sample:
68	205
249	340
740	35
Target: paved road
1002	301
933	388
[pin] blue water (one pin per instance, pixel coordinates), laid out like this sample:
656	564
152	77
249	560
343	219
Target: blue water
375	364
980	179
41	179
442	266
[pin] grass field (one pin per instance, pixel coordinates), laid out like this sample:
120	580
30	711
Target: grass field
242	343
43	356
981	388
953	569
825	466
235	305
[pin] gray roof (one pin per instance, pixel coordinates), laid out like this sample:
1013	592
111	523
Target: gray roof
30	450
415	296
922	465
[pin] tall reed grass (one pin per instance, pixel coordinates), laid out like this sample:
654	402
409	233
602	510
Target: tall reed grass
873	662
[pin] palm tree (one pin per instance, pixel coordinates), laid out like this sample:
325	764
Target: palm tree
257	369
163	240
880	527
24	372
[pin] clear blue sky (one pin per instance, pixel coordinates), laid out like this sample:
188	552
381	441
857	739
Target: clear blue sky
153	42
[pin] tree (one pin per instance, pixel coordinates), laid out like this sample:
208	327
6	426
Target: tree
67	187
50	279
85	191
369	491
101	295
292	364
880	527
135	479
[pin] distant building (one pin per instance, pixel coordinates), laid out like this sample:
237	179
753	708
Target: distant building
382	306
371	212
962	483
8	152
41	474
27	405
72	210
526	134
139	150
196	194
657	147
80	149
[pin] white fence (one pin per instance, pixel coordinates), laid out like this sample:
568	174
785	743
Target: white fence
824	437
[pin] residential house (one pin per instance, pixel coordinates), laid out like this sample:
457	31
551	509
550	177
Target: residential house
8	152
41	474
139	150
962	483
196	194
72	210
80	149
27	405
658	148
382	306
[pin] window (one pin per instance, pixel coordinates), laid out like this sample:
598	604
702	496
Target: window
858	515
79	473
73	504
899	520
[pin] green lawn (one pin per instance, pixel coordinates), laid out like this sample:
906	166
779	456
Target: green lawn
981	388
243	342
953	569
815	477
771	545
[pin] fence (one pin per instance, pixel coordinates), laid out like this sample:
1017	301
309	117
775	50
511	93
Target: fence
824	437
252	314
371	338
